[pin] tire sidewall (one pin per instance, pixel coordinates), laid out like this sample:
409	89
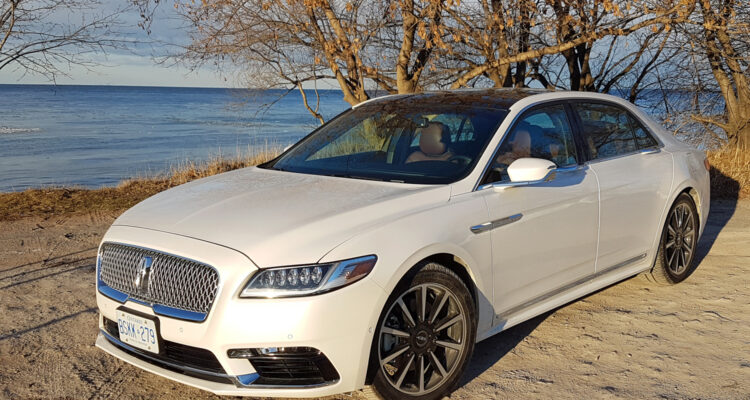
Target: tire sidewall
676	278
429	272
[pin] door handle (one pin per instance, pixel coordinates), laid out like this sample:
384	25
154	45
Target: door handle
488	226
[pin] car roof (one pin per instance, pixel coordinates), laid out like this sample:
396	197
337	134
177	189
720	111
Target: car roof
495	98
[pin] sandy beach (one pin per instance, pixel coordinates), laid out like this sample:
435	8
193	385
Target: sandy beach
632	340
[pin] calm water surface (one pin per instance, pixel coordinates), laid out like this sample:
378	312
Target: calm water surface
98	135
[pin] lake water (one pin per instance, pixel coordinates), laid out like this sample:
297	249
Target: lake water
95	136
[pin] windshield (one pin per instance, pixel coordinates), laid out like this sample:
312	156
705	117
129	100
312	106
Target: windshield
414	143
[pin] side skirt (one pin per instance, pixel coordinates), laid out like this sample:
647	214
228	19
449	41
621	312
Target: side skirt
566	294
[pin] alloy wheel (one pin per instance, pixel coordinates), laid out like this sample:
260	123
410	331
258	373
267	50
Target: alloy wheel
422	339
681	237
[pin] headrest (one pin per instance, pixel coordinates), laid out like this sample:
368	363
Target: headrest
434	138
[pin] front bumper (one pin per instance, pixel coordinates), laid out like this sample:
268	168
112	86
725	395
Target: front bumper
340	324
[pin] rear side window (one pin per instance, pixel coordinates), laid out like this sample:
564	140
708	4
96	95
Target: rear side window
642	137
607	130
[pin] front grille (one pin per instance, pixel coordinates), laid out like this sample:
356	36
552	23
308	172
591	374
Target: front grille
173	281
294	369
175	355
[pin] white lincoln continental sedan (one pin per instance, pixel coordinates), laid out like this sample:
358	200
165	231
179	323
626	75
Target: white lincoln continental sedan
380	248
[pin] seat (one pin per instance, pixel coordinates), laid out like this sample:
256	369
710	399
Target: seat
433	144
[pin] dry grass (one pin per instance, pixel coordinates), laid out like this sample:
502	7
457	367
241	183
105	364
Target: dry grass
730	178
730	173
53	201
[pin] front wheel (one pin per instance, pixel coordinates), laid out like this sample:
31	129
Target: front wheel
678	243
425	336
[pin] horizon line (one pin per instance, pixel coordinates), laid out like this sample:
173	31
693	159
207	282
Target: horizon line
150	86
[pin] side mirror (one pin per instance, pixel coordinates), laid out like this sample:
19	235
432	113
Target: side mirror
530	170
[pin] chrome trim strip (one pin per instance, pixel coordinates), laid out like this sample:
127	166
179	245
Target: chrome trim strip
159	309
240	380
515	310
488	226
313	386
572	168
178	313
158	361
650	150
617	156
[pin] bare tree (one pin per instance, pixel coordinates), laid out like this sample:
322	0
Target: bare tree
405	46
506	40
361	45
37	36
720	34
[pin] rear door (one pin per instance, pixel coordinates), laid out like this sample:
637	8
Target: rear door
634	180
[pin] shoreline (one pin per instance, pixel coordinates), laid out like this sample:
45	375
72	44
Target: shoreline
66	201
730	180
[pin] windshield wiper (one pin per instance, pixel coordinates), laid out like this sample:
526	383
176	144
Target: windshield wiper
367	178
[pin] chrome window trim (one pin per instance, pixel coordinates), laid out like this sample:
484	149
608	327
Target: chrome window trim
648	150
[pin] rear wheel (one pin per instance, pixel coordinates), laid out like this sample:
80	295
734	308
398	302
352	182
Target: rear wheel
425	336
678	243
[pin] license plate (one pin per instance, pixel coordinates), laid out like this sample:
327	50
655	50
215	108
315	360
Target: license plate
138	331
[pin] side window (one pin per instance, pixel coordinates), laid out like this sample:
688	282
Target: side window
606	129
642	137
540	133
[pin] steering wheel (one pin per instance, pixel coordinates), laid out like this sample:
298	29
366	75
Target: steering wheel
458	159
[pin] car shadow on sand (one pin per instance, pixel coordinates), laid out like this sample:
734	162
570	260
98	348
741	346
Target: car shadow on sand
722	210
489	351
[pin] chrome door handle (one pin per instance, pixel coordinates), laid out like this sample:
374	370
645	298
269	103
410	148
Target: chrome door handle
488	226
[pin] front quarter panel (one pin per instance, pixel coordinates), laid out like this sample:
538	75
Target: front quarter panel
401	244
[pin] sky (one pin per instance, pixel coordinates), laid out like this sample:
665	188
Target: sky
137	66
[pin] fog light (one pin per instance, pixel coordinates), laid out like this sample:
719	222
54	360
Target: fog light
270	351
287	366
240	353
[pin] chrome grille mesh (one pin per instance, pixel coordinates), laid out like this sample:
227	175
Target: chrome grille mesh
174	282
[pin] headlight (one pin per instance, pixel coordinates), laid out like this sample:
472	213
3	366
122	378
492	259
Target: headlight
307	279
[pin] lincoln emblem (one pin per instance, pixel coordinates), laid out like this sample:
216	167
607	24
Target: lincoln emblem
144	270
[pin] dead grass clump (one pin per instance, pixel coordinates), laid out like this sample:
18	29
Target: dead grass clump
66	201
730	173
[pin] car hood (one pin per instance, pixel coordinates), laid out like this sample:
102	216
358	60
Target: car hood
279	218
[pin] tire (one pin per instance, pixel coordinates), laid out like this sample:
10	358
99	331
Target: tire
678	244
433	339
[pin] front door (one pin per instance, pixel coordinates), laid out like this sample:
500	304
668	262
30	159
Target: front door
544	236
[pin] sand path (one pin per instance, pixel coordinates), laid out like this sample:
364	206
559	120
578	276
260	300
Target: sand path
631	340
